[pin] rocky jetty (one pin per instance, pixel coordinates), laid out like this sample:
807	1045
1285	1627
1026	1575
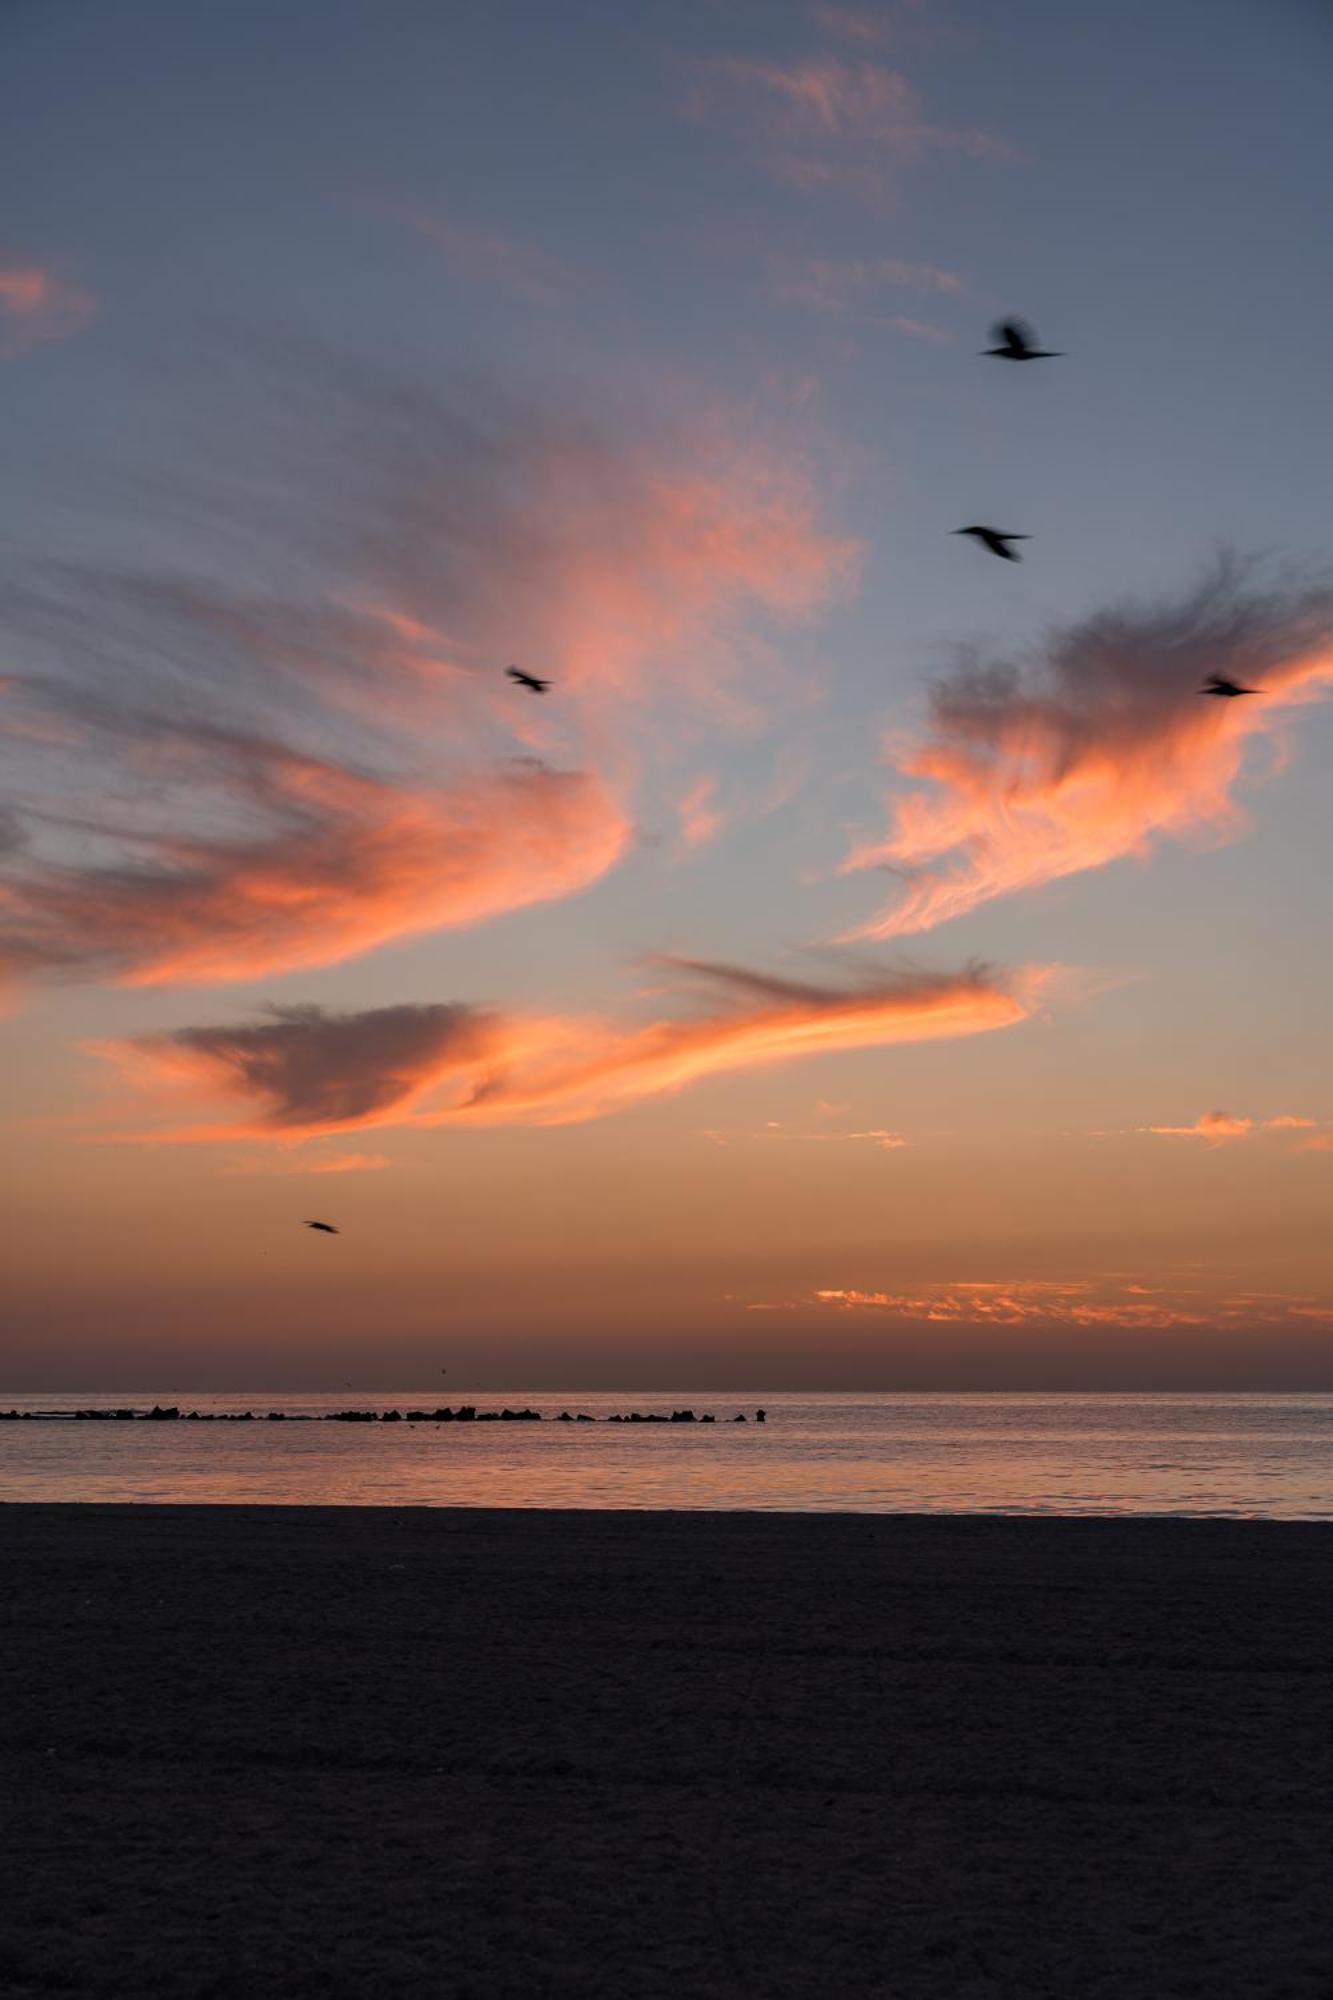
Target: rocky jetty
466	1413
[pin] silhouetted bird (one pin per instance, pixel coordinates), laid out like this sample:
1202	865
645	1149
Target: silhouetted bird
327	1227
995	541
527	680
1016	337
1216	684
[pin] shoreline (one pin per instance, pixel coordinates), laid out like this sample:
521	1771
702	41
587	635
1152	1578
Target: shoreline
406	1750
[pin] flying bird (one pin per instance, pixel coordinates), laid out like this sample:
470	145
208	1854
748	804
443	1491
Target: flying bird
1016	339
1218	684
527	680
327	1227
995	541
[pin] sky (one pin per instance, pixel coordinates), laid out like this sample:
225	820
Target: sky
869	964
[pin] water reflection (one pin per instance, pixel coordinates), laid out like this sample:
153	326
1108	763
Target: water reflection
1237	1455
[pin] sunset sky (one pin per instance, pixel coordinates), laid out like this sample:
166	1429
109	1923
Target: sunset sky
871	964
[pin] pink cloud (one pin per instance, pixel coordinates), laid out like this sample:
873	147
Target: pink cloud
303	1071
853	24
486	256
843	284
351	863
919	329
37	304
1100	746
230	786
701	818
829	122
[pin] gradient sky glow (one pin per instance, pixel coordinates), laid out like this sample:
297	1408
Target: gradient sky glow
871	964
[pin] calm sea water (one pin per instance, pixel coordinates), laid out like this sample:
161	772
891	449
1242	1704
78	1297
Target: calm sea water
1007	1454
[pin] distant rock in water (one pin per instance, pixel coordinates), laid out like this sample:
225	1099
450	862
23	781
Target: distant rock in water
466	1413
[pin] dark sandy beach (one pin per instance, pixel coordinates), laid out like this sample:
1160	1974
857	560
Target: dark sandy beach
253	1751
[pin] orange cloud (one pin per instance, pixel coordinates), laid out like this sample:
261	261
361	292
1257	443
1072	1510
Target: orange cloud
354	862
1212	1125
37	304
1085	1303
1097	748
1220	1126
235	786
304	1071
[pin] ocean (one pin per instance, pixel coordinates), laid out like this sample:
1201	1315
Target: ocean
1240	1455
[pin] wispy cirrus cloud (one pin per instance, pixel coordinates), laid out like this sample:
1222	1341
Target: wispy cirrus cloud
314	1163
1083	1303
862	27
845	284
209	784
345	862
877	1136
920	329
1218	1127
37	304
1097	747
828	121
303	1071
702	819
484	256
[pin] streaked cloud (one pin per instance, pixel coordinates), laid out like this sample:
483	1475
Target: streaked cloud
346	862
844	284
860	26
307	1070
303	1071
208	784
702	819
828	121
919	329
1218	1127
38	304
1215	1126
311	1163
1096	747
485	256
877	1136
1086	1303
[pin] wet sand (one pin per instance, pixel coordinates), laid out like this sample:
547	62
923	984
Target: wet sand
268	1751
